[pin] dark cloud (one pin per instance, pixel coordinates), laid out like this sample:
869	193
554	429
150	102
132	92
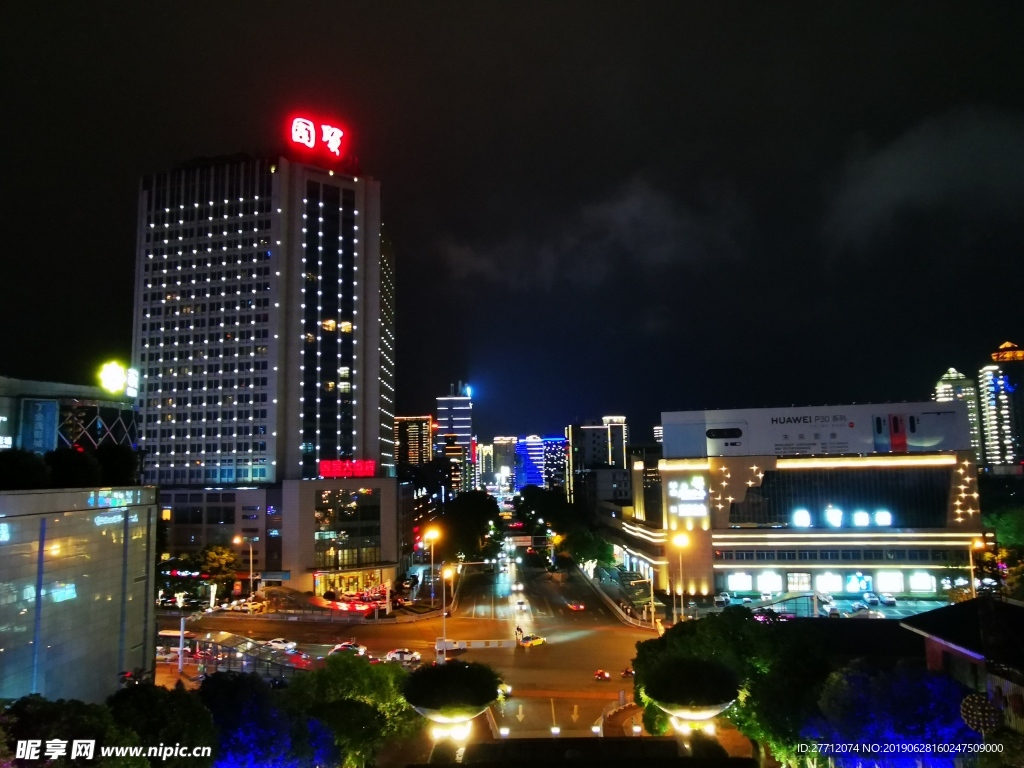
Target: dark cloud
963	164
638	227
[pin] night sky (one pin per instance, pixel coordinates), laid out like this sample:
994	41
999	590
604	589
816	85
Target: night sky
596	207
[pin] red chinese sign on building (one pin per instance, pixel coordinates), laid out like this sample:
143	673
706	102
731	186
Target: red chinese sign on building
348	468
309	134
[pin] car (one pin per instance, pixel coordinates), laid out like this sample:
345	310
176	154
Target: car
602	676
517	587
529	640
887	599
504	691
351	647
765	595
403	655
722	599
406	584
858	606
826	598
576	606
520	605
747	600
871	598
280	644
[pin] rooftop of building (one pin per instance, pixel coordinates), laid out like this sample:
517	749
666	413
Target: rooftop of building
987	626
10	387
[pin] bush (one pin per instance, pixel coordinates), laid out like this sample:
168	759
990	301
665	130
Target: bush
71	468
22	471
691	682
453	688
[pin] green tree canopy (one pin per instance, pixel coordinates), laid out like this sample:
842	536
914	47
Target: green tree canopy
72	468
33	717
452	687
23	470
166	716
464	523
583	544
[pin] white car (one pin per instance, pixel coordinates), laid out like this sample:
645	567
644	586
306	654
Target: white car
359	650
517	587
403	655
280	644
887	598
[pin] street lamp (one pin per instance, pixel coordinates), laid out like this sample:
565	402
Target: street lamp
976	544
680	540
238	540
445	575
432	535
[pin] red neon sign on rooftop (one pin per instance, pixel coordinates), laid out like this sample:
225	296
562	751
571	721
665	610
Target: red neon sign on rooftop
348	468
310	133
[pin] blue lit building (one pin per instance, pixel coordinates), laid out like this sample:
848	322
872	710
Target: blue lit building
530	462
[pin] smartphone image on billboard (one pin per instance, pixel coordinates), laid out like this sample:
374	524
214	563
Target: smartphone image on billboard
897	433
725	439
880	429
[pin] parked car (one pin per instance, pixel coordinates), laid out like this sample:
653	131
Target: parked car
826	598
528	640
722	599
351	647
887	599
576	606
858	606
765	595
403	655
280	644
871	598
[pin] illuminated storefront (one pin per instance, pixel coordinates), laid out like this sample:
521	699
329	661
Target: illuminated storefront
897	518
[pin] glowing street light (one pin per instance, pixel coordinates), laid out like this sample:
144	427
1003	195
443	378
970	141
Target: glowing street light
113	377
681	541
976	544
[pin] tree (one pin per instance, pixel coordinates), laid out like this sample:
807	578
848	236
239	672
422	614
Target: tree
69	720
865	702
452	689
22	471
361	704
464	523
166	716
255	725
73	468
583	545
220	564
119	464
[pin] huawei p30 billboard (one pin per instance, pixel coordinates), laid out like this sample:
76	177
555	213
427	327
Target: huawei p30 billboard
886	428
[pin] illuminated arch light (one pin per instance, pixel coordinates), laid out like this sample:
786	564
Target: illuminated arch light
802	518
861	518
834	516
883	517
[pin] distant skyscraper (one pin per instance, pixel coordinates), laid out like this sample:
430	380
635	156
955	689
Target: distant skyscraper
556	452
485	463
264	322
456	456
413	439
595	444
455	417
955	386
505	458
530	462
997	417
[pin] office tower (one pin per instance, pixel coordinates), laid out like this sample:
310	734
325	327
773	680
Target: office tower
455	417
593	445
955	386
530	462
457	468
556	454
413	440
264	321
485	464
995	392
658	432
505	461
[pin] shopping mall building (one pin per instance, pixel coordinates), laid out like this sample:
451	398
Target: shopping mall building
840	499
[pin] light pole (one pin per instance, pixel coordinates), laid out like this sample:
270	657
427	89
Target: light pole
432	535
238	540
976	544
445	575
680	540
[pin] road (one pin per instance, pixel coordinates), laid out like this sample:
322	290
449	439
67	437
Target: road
553	684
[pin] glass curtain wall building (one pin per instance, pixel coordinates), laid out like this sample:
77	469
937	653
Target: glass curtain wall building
76	590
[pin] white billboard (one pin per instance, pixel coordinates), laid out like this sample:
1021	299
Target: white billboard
815	431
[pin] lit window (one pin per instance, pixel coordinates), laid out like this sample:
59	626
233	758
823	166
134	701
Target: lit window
329	325
345	327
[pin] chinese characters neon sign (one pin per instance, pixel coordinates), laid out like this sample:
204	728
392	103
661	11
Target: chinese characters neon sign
309	133
346	468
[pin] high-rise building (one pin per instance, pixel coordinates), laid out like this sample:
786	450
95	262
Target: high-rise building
995	391
485	463
556	453
594	445
264	322
505	460
457	466
659	431
455	417
413	440
530	462
955	386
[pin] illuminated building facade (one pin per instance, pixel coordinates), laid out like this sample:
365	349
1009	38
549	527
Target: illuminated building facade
593	445
264	322
998	418
455	417
459	466
530	462
955	386
897	517
485	464
413	440
505	460
42	416
77	580
556	462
